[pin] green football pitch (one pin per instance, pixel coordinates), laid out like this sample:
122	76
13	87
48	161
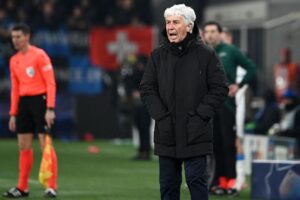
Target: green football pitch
108	175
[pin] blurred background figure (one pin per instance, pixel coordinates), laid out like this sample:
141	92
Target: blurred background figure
123	13
241	109
225	120
227	36
289	125
141	117
268	115
286	74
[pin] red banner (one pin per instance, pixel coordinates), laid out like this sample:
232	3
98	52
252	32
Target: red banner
110	46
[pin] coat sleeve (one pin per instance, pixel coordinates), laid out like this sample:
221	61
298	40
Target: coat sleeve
150	94
217	89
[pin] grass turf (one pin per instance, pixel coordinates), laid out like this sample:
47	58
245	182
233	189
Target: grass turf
109	175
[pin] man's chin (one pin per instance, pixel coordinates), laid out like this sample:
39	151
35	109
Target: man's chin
173	41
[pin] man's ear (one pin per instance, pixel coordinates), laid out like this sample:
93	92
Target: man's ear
189	28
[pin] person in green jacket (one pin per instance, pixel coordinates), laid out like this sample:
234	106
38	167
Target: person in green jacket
224	121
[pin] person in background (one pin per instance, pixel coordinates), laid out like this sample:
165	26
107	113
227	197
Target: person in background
141	116
286	74
227	37
224	121
183	86
268	115
290	122
241	110
33	91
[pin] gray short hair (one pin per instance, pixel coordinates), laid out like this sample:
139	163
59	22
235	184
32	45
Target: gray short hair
181	9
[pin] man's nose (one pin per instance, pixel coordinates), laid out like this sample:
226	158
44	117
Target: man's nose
171	26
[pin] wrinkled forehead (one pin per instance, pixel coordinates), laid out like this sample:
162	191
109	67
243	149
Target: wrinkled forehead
174	17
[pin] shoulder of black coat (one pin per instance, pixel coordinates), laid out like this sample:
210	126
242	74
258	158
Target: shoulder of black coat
203	48
158	50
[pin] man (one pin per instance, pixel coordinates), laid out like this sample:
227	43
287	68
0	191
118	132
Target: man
32	106
240	100
182	87
224	121
267	115
141	117
286	74
226	35
289	123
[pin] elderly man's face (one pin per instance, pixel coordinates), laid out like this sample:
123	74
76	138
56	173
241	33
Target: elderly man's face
176	28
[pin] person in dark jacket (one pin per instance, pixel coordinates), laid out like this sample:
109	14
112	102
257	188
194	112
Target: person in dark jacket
290	121
141	117
182	87
268	115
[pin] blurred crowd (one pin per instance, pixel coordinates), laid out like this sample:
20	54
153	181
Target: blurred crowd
74	14
279	112
67	15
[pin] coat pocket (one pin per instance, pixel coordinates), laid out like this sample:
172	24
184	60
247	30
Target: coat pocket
198	130
164	132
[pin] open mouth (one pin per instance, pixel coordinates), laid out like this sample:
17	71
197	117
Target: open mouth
172	35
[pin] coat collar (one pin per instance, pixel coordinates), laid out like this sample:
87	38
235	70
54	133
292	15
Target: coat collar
180	48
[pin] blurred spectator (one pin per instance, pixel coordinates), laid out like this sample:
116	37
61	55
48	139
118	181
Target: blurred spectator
81	16
290	122
286	74
77	20
6	49
268	115
77	14
87	9
141	116
48	16
129	12
227	36
4	25
145	11
11	9
123	13
22	16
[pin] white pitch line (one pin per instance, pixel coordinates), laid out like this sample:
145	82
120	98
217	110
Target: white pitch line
60	192
35	182
32	181
69	193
